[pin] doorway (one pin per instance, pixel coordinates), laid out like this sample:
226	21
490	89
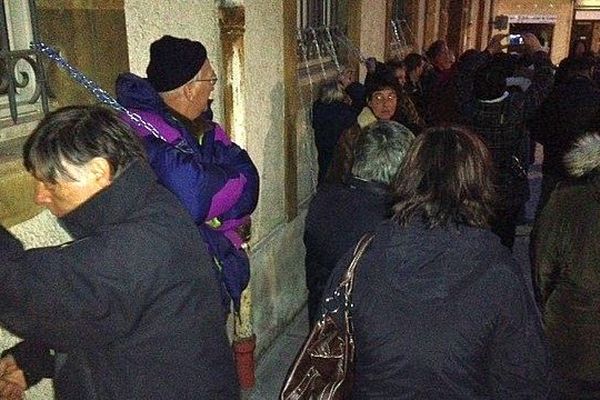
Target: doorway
543	32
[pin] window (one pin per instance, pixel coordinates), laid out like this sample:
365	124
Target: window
318	13
22	94
322	42
401	38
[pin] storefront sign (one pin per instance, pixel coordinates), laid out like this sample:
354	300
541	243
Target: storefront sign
587	4
532	19
588	15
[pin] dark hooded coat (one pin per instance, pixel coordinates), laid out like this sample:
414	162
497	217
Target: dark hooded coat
132	302
443	313
566	254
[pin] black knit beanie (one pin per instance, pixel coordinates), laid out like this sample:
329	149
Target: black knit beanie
173	62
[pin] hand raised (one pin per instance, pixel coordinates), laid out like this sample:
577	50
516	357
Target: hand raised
531	42
495	45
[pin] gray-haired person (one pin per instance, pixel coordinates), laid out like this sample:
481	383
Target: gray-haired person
131	304
440	309
340	214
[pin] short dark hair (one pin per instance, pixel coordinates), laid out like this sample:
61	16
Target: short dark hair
75	135
445	178
379	151
395	64
380	81
435	49
413	61
490	80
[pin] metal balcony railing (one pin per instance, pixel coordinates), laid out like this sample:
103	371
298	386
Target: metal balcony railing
22	76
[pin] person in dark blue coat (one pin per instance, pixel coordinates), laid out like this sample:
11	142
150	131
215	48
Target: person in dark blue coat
130	308
341	212
440	308
568	113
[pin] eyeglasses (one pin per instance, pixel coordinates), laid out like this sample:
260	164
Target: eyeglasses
213	80
380	98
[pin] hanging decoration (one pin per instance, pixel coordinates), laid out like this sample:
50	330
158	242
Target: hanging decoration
315	41
347	43
403	40
331	47
100	94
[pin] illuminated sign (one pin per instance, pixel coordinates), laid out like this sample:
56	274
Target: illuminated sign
532	19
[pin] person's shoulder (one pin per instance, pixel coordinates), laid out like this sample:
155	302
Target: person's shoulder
158	222
329	193
571	198
220	135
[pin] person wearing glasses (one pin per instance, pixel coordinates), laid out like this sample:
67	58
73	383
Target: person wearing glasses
213	177
440	309
382	105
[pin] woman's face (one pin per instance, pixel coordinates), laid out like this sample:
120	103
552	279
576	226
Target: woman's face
400	75
383	103
346	77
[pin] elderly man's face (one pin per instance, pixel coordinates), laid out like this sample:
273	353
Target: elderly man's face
203	86
66	195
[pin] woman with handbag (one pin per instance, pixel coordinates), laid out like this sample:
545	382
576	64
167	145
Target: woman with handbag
439	308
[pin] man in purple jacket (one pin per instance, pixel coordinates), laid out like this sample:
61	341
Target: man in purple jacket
214	178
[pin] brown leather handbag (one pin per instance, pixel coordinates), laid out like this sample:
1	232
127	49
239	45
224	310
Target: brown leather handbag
323	368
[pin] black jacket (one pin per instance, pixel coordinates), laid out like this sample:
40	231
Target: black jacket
444	313
337	217
571	109
133	301
329	121
501	123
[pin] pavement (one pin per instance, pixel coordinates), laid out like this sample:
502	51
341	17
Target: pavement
272	367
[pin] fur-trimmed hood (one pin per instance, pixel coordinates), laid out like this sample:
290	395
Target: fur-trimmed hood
584	157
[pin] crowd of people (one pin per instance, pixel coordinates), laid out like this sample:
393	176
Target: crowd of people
430	154
434	161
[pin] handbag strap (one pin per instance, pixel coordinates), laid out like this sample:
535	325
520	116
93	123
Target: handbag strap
347	283
348	279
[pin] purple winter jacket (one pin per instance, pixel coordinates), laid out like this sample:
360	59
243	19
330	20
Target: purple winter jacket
215	179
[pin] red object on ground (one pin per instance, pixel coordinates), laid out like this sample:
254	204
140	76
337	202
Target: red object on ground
243	351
